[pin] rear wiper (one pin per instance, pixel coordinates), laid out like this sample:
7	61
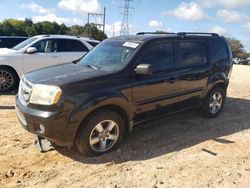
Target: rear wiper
93	66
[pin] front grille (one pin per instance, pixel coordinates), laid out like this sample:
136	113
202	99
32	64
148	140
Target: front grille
25	89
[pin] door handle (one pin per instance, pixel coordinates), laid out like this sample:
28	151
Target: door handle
171	80
54	56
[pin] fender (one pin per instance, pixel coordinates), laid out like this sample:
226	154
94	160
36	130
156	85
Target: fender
13	62
86	104
215	79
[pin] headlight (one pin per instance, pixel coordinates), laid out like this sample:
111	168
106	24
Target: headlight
45	94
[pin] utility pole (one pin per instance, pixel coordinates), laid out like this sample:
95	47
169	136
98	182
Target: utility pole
104	19
125	20
102	15
113	30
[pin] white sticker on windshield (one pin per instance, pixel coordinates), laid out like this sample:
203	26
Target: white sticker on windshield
130	44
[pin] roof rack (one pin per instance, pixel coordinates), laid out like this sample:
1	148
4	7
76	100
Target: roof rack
154	33
197	33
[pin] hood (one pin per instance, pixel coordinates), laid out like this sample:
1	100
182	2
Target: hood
63	74
7	52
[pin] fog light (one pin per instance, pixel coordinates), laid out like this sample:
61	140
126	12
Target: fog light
42	129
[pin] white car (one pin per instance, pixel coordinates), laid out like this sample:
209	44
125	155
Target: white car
38	52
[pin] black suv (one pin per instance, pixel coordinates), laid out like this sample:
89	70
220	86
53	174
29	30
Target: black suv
10	41
124	81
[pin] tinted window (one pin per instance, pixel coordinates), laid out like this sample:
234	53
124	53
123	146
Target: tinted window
218	51
160	56
189	54
46	46
67	45
93	43
10	42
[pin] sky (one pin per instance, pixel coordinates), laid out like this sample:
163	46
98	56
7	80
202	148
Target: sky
226	17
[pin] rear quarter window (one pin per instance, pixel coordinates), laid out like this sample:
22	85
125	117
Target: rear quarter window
218	51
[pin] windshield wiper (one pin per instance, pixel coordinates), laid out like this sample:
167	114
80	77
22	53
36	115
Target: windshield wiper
93	66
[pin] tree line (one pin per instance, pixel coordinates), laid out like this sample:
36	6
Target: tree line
237	48
13	27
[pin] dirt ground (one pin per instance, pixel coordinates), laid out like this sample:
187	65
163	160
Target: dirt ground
183	150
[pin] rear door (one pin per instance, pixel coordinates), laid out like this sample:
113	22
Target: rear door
194	69
71	50
158	91
45	56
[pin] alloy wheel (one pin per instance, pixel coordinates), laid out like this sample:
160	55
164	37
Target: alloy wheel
215	103
104	136
6	80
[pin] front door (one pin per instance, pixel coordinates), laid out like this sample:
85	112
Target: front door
45	56
154	93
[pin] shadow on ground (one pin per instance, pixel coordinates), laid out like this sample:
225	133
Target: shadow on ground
9	93
174	133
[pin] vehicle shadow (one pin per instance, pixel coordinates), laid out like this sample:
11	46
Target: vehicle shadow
9	93
7	107
175	133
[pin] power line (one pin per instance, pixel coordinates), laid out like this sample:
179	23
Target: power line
125	21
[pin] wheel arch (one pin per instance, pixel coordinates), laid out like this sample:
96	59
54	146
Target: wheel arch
12	68
217	80
113	107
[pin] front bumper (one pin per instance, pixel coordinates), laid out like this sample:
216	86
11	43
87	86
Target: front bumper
52	125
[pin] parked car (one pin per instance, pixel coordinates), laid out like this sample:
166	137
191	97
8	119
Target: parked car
38	52
240	61
10	41
124	81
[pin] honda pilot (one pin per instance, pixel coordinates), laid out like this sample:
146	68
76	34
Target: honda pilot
124	81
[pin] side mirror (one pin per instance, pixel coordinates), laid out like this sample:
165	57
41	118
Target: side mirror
144	69
31	50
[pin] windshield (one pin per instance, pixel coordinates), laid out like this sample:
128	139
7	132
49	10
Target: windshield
24	43
110	55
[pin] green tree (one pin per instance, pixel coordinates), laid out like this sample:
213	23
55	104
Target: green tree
90	30
237	48
76	30
28	28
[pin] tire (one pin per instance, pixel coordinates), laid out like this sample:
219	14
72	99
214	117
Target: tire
214	102
94	129
8	79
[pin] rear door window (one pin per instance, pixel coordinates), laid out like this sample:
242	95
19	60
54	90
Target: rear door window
160	57
68	45
190	53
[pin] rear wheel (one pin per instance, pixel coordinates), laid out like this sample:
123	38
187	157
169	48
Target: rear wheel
100	134
8	79
214	102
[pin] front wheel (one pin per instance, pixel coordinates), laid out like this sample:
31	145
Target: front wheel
214	102
100	134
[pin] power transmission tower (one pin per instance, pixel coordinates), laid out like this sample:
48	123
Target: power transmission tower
125	20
